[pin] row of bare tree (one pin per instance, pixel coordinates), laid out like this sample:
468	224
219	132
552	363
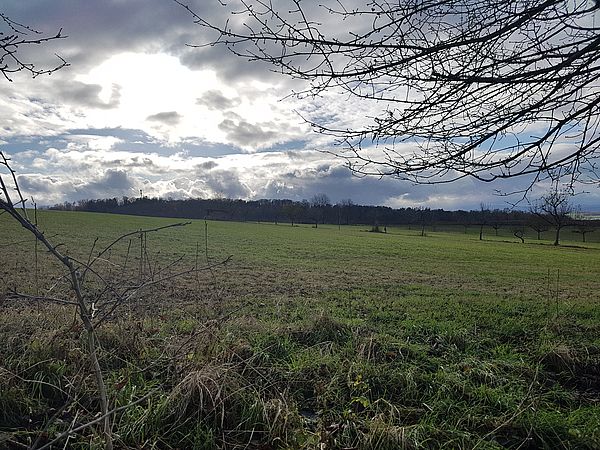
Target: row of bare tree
555	210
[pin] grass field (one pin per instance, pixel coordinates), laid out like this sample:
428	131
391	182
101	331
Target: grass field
311	338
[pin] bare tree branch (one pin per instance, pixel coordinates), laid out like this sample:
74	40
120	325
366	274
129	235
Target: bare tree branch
486	89
15	36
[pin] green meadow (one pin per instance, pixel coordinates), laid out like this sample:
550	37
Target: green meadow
307	338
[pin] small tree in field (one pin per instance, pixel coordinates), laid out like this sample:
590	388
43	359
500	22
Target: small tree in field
346	205
484	212
538	225
292	211
424	216
320	203
584	227
554	208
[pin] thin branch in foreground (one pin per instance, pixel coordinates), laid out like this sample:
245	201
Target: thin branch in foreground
14	295
98	419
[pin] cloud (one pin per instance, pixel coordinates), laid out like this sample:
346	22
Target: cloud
98	29
216	100
112	180
231	69
170	118
119	52
207	165
50	190
40	184
75	170
226	183
248	135
91	141
87	95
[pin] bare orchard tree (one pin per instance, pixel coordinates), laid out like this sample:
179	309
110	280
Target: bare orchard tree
346	204
483	216
538	225
96	295
16	208
320	202
583	227
488	89
424	217
292	211
554	208
496	220
15	37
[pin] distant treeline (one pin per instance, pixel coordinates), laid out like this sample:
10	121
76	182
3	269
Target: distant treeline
317	211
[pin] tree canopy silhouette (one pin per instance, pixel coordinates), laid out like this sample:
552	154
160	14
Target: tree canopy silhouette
555	208
490	89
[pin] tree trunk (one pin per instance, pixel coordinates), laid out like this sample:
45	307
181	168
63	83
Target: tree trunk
556	239
107	431
92	349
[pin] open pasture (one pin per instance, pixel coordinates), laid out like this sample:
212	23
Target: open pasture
309	338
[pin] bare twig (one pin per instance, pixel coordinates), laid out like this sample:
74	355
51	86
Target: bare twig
98	419
14	295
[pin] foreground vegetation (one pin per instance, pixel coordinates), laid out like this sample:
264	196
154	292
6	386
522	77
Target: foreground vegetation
310	338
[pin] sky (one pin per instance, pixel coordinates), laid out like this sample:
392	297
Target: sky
139	110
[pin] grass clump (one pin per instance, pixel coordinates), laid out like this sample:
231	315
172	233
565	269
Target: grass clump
322	329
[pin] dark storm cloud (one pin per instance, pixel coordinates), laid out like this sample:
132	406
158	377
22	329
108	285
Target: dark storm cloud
97	30
222	183
215	99
244	133
295	155
136	162
332	179
121	133
170	118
